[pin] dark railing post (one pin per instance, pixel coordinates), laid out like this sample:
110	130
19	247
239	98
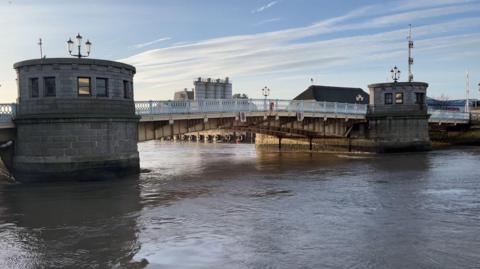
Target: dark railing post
150	107
14	109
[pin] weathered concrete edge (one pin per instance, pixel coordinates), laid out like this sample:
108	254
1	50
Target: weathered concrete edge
37	119
400	84
82	61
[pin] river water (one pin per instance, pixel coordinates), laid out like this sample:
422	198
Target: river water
228	206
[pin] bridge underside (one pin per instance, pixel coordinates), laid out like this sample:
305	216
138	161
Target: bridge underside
285	126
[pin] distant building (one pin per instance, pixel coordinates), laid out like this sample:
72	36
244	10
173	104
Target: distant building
212	89
334	94
183	95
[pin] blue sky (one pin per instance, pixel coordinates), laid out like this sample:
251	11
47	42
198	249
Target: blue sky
280	44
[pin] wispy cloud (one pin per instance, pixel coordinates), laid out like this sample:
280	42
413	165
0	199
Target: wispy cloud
265	7
415	4
146	44
266	21
286	53
432	12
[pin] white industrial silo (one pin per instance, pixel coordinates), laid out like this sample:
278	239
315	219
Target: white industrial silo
210	89
227	89
200	89
218	89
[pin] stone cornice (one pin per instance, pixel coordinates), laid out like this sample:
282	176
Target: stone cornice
73	61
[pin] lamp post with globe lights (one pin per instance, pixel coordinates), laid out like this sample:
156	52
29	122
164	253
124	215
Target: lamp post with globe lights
265	93
88	47
395	74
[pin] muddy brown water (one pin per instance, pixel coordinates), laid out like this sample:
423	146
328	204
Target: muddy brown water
228	206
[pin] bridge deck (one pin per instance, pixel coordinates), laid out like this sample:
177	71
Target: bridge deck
227	108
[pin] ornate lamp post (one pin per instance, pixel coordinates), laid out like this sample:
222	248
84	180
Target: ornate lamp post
265	93
88	46
395	73
479	92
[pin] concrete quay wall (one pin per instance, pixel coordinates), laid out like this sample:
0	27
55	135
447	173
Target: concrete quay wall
274	144
455	136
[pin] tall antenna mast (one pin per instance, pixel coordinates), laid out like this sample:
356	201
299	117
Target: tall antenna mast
467	90
410	59
40	45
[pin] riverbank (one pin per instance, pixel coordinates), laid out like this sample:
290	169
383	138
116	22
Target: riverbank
359	146
453	138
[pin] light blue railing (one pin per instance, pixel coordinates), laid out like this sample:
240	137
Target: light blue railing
245	105
7	112
444	115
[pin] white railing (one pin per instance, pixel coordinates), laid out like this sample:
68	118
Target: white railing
7	112
446	116
245	105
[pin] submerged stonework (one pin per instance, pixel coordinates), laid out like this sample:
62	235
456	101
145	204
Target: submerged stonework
75	120
333	145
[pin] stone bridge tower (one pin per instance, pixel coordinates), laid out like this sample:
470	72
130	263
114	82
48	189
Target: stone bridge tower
397	116
75	120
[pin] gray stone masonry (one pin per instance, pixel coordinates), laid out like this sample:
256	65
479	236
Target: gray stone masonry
398	126
73	136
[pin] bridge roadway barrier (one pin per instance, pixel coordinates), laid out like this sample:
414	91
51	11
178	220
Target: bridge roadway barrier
7	112
176	110
448	117
245	105
166	110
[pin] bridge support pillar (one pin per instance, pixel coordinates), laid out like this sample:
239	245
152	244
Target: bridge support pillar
397	117
68	132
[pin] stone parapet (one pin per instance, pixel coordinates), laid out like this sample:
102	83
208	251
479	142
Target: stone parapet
386	110
75	107
54	63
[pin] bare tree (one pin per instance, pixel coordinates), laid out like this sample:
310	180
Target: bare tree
443	100
240	96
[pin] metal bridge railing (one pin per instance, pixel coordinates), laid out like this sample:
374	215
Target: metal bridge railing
245	105
7	112
444	115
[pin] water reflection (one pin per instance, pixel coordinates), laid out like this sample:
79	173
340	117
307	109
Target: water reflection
69	225
228	206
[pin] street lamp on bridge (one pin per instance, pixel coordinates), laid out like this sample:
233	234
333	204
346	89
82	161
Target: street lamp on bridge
88	46
395	73
476	103
265	92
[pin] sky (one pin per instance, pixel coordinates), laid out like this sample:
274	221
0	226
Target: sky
281	44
